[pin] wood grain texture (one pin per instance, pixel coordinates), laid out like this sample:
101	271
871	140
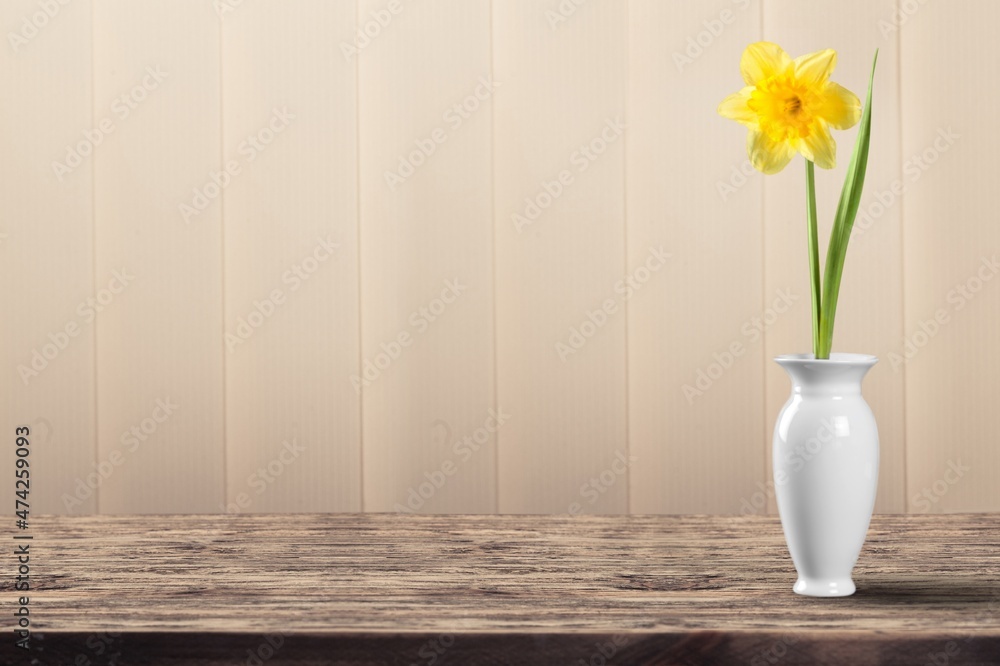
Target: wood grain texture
949	353
291	266
379	588
160	336
46	252
684	319
427	358
560	247
869	313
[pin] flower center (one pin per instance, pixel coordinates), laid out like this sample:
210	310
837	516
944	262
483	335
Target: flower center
784	107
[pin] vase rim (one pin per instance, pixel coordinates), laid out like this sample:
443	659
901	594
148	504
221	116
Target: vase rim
836	358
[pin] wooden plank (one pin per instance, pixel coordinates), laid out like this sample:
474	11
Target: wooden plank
869	313
46	249
952	301
560	252
696	420
510	649
426	371
158	225
291	268
506	589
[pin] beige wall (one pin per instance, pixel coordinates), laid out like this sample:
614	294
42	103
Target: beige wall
247	297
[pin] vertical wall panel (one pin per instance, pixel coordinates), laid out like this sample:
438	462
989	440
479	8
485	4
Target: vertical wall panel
696	421
949	353
160	339
425	112
560	252
438	209
291	270
46	251
869	314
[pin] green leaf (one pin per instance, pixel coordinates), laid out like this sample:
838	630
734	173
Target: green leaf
843	222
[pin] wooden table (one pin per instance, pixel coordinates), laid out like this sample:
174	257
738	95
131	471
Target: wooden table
434	590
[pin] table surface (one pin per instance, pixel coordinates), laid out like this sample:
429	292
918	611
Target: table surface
431	590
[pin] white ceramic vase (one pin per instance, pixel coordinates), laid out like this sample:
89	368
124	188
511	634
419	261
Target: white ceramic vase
825	457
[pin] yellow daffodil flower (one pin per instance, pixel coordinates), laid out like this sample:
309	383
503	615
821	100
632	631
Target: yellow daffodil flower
790	106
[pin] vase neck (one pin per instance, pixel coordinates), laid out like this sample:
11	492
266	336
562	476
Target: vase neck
841	374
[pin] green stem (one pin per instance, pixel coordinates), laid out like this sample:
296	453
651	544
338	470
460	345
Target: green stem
813	256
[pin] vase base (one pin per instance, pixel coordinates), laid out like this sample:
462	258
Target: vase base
824	587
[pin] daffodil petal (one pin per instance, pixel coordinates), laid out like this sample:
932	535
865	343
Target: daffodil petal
766	155
762	60
819	147
735	107
815	68
839	107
